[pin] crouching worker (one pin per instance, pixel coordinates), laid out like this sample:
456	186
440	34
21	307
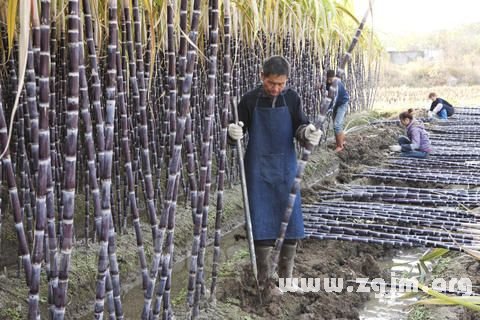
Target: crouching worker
440	108
272	116
416	144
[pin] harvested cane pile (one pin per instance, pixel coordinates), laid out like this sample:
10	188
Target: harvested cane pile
411	216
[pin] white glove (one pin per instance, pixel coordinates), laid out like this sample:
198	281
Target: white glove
396	148
312	134
430	114
235	131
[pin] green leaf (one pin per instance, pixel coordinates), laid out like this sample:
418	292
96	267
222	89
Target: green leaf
433	254
438	301
449	300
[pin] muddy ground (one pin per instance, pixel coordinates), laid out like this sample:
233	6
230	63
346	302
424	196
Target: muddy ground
236	295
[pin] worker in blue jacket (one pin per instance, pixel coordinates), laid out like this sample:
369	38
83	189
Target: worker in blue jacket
339	107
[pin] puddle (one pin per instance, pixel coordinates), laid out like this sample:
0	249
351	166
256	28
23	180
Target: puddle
389	306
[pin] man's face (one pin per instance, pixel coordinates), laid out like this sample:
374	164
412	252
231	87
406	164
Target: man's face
274	84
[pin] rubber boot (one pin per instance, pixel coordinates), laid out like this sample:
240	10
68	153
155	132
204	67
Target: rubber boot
340	141
285	267
264	268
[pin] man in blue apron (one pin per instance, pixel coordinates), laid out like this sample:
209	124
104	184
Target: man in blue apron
272	115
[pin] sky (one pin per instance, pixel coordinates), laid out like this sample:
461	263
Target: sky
418	16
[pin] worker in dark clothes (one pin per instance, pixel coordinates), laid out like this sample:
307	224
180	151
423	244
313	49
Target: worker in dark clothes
272	116
339	107
440	108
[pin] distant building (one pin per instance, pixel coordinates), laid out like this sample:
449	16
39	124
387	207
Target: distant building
406	56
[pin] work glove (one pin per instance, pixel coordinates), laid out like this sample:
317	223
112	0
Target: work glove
430	114
312	135
235	131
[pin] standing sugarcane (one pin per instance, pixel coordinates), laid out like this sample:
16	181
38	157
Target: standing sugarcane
96	93
107	161
70	153
168	211
44	181
132	199
7	168
206	150
227	67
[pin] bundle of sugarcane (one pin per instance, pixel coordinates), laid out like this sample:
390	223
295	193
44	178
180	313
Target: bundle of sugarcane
455	233
454	150
438	142
415	225
393	209
384	242
402	162
468	121
459	129
444	176
415	196
436	241
454	137
467	111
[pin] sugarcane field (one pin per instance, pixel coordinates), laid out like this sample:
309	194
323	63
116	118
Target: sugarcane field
240	159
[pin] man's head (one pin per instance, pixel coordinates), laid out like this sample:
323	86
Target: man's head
330	76
275	72
432	96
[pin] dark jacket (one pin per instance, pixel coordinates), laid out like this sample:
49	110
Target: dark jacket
293	101
446	105
418	136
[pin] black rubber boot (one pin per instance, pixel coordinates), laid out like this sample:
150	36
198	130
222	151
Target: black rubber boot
264	268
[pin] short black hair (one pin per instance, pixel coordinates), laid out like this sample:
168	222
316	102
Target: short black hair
276	65
330	73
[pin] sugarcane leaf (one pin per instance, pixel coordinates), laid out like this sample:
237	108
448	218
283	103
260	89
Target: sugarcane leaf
11	17
438	301
148	5
433	254
423	267
447	299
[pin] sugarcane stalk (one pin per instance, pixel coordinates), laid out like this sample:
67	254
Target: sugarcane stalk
223	143
206	150
106	256
9	175
132	199
70	152
97	111
174	161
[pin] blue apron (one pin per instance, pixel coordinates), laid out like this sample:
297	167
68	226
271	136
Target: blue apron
271	165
